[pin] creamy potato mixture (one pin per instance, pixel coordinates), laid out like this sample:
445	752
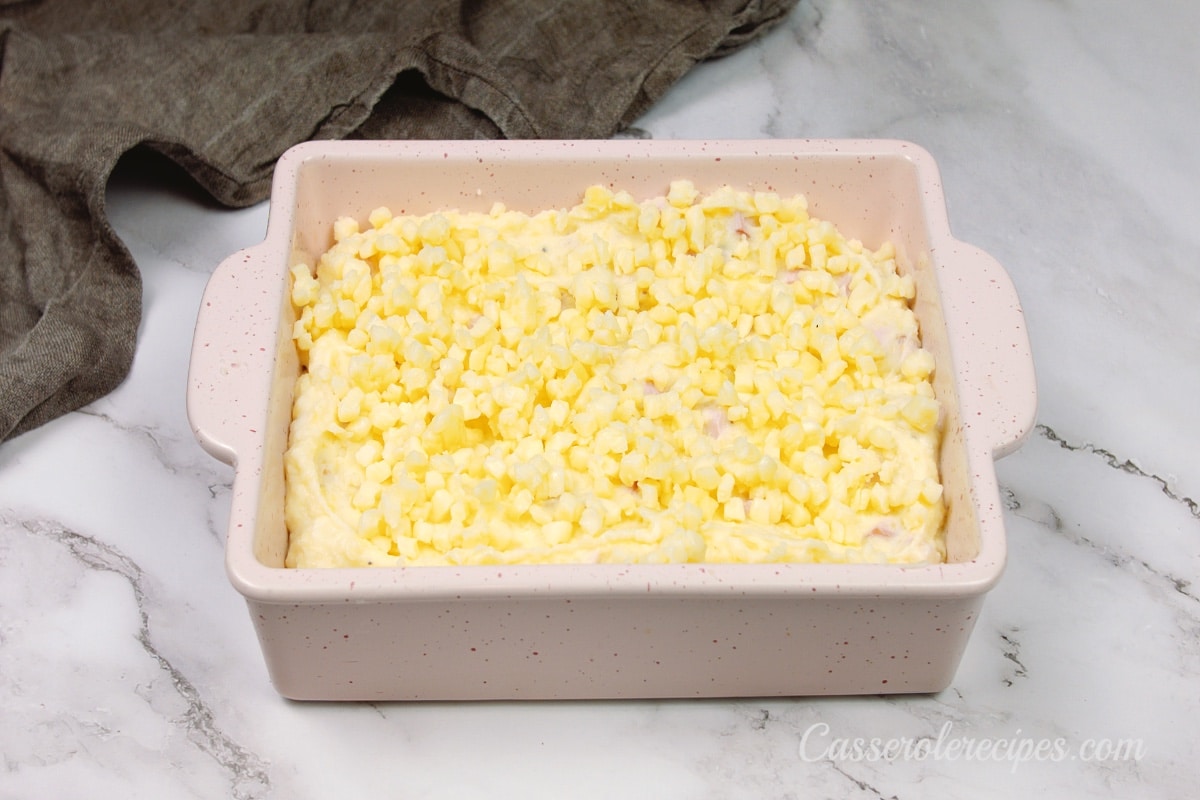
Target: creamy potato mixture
703	378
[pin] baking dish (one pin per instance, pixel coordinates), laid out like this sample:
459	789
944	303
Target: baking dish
606	631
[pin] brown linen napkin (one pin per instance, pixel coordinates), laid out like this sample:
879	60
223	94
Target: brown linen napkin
223	88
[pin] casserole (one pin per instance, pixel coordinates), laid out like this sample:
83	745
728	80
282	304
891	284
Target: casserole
606	630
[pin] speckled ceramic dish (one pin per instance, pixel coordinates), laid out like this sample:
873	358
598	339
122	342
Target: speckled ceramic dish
539	631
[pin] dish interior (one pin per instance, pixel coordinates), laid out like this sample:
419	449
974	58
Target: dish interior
873	198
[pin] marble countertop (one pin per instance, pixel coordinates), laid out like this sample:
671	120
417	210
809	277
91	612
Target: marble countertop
1065	135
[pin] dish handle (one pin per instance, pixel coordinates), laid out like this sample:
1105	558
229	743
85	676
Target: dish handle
233	354
995	360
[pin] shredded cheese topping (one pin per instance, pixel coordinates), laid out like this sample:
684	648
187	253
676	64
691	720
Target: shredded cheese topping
717	378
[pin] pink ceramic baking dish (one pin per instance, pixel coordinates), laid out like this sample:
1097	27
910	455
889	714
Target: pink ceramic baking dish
596	631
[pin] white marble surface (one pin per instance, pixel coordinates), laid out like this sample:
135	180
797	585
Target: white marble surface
1065	133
